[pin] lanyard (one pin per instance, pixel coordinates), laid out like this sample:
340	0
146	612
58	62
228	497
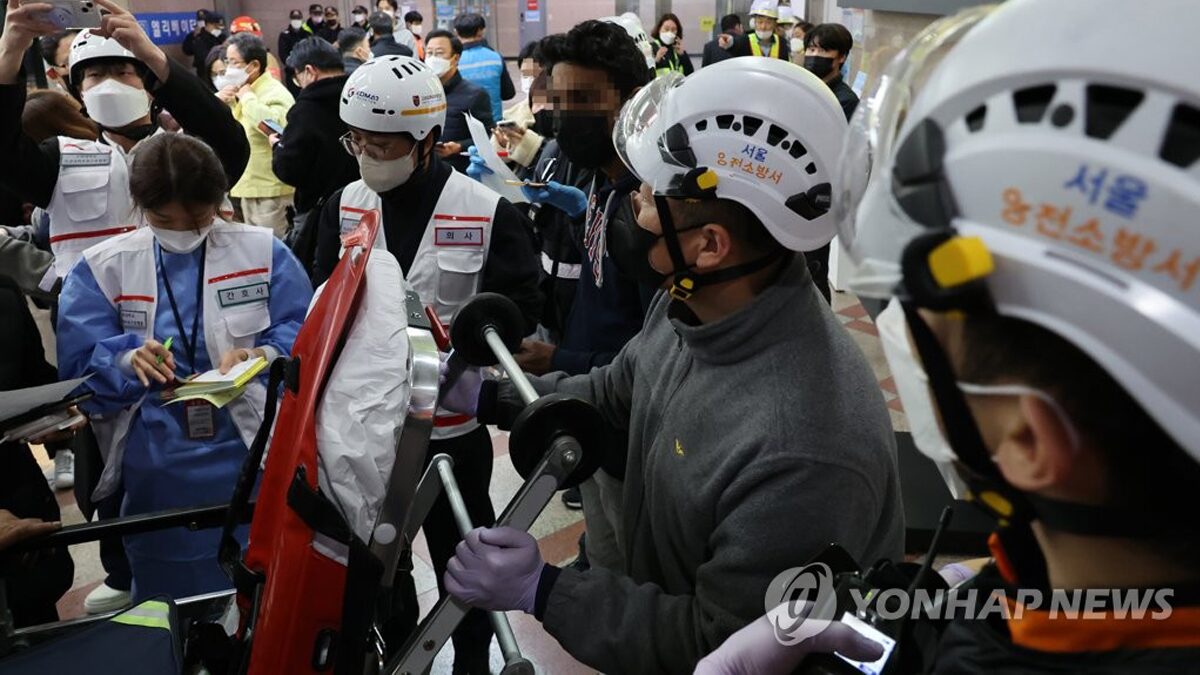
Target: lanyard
188	345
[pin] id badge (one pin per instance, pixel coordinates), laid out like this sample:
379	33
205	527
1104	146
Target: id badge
201	420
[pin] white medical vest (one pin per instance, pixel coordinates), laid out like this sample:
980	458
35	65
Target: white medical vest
237	291
448	267
91	200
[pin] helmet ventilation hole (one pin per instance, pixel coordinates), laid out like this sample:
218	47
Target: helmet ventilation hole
1031	103
1108	108
1181	144
976	117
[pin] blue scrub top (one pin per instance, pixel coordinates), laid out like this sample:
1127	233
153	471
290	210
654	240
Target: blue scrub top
163	468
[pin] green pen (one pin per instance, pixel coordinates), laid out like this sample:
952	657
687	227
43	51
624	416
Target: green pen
166	346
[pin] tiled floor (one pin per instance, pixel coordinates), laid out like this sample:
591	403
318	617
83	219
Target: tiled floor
557	530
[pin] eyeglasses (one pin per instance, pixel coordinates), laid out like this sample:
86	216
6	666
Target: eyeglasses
372	150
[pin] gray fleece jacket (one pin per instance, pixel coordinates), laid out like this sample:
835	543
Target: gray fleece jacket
754	442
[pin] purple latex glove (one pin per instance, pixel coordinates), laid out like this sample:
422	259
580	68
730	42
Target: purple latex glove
462	396
496	569
755	649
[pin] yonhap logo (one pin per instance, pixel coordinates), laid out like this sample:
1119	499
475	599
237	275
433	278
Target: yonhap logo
800	602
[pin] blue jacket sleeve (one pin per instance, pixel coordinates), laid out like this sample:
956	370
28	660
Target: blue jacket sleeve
291	292
91	342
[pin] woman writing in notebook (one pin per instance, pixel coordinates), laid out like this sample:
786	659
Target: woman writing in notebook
143	310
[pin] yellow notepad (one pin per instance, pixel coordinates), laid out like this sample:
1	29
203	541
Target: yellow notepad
215	387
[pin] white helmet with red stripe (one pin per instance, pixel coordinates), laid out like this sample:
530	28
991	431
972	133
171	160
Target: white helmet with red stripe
392	95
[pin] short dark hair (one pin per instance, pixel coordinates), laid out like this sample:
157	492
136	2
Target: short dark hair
332	9
176	168
317	52
831	36
1155	475
531	50
740	221
359	9
469	25
349	39
250	47
390	2
316	7
456	45
48	45
804	26
665	18
729	22
413	17
214	17
602	45
380	23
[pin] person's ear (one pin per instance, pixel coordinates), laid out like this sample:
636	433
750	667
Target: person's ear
1036	450
711	247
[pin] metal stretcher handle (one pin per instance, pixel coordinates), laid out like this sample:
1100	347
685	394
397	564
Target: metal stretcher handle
559	461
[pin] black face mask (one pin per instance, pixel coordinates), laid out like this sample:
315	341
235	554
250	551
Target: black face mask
543	123
586	140
821	66
629	246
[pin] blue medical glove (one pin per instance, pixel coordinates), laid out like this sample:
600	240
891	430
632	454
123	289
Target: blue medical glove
755	649
477	168
462	395
496	569
566	198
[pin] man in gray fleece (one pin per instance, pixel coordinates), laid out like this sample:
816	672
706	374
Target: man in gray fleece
757	436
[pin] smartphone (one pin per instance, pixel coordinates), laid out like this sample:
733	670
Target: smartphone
268	127
74	14
868	631
508	124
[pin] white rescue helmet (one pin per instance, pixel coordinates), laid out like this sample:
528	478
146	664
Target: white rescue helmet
787	16
633	26
1061	188
765	8
761	132
87	46
392	95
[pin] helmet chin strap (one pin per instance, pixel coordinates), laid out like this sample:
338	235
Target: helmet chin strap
685	282
988	487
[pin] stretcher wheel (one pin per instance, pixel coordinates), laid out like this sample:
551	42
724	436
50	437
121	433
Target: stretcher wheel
483	311
548	418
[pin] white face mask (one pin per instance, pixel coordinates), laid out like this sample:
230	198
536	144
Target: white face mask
667	38
317	20
383	175
764	35
115	104
297	23
913	385
526	83
235	76
440	66
180	241
415	28
358	18
797	45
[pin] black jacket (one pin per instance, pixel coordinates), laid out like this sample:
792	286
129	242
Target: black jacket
462	96
198	47
351	64
985	646
511	268
845	96
33	586
288	39
322	31
30	170
714	54
309	155
387	46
